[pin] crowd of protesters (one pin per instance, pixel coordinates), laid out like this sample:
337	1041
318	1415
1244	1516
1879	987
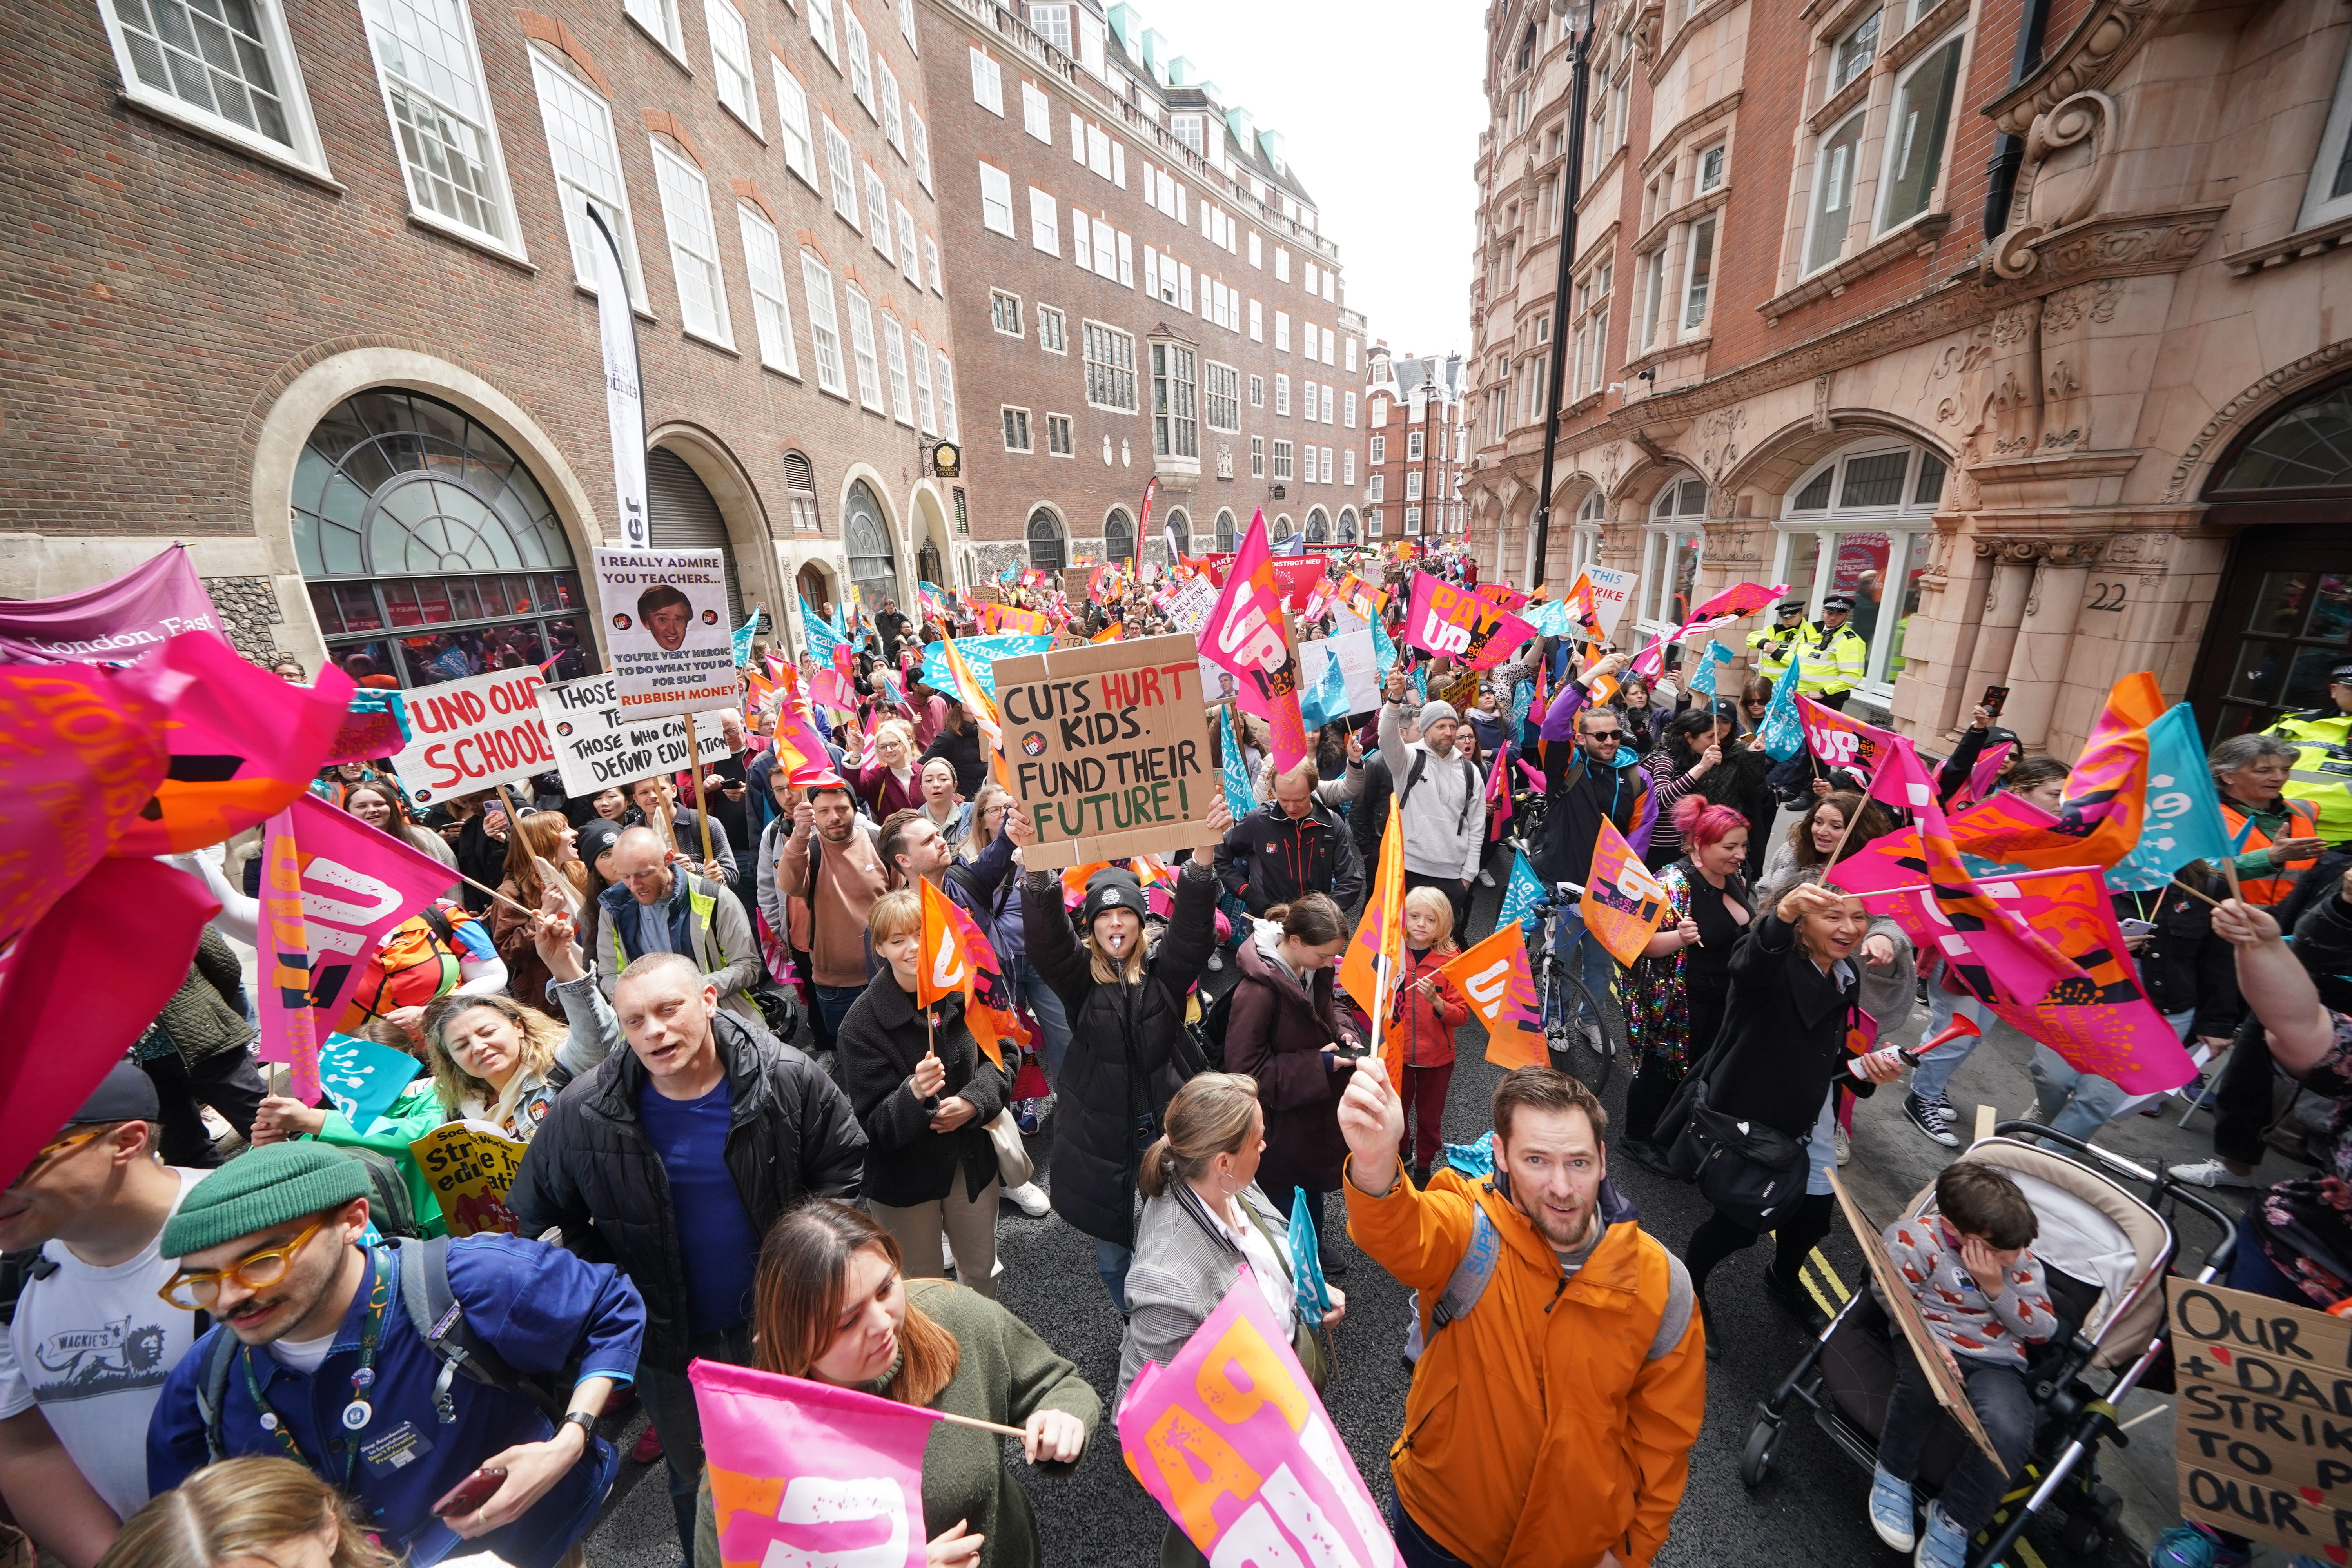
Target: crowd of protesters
694	1000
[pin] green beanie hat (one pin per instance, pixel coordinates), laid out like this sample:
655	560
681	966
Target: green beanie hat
262	1189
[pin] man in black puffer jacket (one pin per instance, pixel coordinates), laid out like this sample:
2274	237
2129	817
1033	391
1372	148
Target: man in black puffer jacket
671	1159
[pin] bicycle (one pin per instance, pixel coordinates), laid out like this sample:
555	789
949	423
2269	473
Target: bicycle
1584	1034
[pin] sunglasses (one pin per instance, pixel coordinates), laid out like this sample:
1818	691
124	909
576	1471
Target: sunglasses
196	1289
1603	734
58	1148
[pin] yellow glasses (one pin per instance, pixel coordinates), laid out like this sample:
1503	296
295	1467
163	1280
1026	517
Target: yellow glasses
199	1288
58	1148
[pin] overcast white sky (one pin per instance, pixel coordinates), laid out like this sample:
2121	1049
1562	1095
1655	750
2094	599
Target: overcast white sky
1380	107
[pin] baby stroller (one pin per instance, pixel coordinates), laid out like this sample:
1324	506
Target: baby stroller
2106	1251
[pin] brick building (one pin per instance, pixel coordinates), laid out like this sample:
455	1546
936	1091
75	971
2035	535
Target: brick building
308	287
2014	319
1416	447
1142	291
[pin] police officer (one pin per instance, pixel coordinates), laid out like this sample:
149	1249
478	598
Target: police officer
1772	643
1835	654
2323	773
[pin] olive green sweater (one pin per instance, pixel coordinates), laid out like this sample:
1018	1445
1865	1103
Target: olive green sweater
1005	1374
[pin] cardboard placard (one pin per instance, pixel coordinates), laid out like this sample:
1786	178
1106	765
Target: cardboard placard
1611	591
467	735
1106	750
665	620
2262	1430
596	748
1942	1376
471	1166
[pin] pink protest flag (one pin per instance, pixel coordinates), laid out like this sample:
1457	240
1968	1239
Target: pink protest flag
243	743
1504	597
1498	799
1650	660
803	1472
75	1004
1739	599
1443	619
1535	776
80	754
2105	805
1985	777
1229	1438
1842	740
2004	827
117	621
1248	635
331	888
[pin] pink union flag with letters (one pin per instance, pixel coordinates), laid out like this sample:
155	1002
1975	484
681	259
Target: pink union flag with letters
806	1474
1443	619
1229	1438
1248	635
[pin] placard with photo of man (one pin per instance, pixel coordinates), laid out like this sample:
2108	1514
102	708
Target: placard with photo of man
665	623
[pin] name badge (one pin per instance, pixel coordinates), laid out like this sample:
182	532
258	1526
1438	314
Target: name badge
395	1450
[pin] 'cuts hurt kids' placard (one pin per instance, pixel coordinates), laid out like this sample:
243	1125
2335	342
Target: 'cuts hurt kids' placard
597	747
466	735
666	622
1107	748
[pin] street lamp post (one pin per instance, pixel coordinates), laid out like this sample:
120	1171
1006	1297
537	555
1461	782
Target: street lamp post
1580	83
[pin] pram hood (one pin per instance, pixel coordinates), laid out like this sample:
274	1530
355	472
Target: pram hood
2092	1230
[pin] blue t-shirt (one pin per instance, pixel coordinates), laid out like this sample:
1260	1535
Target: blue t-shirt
715	1236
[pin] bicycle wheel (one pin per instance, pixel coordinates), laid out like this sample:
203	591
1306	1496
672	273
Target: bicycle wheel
1593	1036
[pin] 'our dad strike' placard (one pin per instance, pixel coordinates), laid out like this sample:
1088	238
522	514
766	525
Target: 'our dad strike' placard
1107	748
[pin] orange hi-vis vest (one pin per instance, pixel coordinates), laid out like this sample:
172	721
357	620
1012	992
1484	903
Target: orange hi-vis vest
2303	822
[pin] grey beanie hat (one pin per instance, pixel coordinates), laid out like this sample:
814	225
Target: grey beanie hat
1431	712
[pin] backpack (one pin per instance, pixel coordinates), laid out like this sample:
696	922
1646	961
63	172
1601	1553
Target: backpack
418	962
439	1321
1213	1028
1463	1289
1469	792
390	1208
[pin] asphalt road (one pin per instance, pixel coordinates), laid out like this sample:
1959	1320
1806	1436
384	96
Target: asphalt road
1809	1511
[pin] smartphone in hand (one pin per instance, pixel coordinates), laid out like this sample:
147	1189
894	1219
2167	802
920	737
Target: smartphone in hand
468	1495
1994	697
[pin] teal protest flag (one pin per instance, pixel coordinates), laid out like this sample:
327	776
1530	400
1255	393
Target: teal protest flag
1307	1263
1783	731
1329	700
742	635
1241	799
981	654
1384	652
2183	821
1520	895
363	1078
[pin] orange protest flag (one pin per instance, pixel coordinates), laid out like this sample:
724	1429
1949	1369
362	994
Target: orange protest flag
1624	903
957	961
1501	988
1377	950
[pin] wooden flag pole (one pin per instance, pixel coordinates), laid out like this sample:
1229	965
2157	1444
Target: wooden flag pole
701	796
493	892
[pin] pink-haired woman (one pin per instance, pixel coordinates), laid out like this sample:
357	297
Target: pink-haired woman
1675	991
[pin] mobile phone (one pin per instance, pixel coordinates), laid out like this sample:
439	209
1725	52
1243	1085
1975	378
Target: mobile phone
2136	928
1993	698
468	1495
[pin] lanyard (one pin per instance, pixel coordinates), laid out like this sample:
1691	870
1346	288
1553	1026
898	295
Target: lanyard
358	1413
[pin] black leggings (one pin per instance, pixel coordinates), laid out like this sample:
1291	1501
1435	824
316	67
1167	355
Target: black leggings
1717	1239
1654	1082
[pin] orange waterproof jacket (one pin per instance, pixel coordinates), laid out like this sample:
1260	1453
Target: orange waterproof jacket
1554	1421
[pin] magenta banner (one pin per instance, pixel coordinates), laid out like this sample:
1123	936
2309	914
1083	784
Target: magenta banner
81	753
803	1472
124	619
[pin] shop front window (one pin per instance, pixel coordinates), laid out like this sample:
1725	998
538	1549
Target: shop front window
1857	525
429	552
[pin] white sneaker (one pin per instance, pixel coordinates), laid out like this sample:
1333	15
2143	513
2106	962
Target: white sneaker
1216	958
1843	1143
2210	1173
1486	878
1030	1199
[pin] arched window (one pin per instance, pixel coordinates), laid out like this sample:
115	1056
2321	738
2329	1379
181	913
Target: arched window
1180	522
1119	536
1046	551
2307	447
1225	541
1318	530
1670	558
430	551
1347	525
1857	524
1584	539
872	566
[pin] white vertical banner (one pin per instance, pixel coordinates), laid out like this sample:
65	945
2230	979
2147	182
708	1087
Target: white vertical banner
624	401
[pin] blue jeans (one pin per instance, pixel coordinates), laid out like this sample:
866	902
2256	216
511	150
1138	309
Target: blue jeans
2068	1101
1111	1264
1417	1550
1934	1074
1046	1005
2003	1408
834	1003
1597	967
668	1400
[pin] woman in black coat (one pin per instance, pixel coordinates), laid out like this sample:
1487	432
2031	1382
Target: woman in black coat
1794	993
925	1096
1128	1052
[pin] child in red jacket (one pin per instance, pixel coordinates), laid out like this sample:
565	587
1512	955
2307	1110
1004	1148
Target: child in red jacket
1428	1010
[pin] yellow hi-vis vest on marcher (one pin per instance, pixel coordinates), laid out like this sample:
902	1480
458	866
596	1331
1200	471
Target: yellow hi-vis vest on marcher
1834	661
2322	773
1768	665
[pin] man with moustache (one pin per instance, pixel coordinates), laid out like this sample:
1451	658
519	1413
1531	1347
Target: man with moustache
315	1354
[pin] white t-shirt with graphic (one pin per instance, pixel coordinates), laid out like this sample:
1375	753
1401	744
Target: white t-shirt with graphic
91	1347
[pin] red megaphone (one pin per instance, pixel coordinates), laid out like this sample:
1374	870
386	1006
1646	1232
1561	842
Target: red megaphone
1961	1027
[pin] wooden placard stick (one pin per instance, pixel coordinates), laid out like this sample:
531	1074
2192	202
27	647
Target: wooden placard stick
493	892
701	796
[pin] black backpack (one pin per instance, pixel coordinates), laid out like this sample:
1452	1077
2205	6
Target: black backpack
1470	791
388	1205
1212	1028
433	1312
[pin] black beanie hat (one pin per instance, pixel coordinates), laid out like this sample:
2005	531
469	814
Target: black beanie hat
1112	888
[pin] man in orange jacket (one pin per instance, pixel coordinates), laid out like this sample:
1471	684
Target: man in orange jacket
1554	1405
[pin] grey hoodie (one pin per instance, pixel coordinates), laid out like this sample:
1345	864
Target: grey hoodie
1445	836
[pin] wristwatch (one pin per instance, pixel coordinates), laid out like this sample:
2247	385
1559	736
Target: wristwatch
584	1419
